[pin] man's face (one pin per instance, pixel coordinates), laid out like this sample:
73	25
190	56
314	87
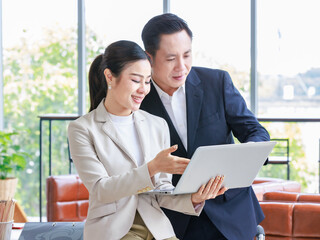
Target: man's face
172	62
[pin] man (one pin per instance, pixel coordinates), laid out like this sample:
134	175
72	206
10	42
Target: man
202	107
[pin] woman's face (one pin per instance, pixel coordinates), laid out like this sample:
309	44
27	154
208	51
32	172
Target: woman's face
129	89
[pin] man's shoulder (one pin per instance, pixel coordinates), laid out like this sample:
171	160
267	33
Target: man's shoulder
205	70
206	76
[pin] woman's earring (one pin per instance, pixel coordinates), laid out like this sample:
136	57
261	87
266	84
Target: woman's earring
109	87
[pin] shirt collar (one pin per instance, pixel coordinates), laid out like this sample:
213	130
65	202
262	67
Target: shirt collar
164	95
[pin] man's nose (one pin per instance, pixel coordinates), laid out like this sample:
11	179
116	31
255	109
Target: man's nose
180	64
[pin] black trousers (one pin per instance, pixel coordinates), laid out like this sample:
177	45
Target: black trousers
201	228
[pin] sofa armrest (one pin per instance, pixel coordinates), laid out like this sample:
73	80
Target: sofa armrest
67	198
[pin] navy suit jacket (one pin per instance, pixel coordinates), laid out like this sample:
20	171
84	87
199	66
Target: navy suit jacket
215	111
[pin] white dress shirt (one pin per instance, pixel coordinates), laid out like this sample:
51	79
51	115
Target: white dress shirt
177	110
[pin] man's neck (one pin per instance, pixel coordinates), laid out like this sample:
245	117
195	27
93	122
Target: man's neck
169	91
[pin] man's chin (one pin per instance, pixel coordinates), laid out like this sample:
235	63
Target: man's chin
178	83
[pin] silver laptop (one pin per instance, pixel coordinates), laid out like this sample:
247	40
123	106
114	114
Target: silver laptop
239	163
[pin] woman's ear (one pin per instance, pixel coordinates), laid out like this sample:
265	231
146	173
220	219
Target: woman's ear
108	75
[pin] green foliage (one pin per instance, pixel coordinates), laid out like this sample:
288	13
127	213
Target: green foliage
298	165
12	158
40	77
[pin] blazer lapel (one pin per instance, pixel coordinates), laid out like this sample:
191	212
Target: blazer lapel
194	97
109	129
143	130
153	104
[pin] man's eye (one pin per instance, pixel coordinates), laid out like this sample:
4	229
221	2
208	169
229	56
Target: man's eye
170	59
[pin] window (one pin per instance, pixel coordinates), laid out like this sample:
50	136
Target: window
288	58
111	20
289	79
40	77
221	36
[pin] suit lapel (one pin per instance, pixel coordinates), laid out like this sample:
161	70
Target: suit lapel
153	104
109	129
194	97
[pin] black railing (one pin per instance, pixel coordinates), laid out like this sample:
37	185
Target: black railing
281	153
69	117
297	120
49	118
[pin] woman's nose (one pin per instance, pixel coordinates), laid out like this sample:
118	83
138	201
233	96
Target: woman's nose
142	88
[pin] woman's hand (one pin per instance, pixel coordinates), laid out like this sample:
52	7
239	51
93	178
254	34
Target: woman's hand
209	190
165	162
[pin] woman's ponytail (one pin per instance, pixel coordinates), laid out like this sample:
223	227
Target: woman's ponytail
97	83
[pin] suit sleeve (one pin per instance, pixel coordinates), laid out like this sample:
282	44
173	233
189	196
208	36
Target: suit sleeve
242	122
100	184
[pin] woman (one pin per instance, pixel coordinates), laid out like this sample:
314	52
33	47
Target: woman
120	152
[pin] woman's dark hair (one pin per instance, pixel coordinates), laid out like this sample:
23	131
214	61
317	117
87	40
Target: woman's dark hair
167	23
116	56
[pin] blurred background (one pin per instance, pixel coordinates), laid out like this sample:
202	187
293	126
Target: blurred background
270	48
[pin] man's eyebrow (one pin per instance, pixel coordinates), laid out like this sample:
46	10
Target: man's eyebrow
173	55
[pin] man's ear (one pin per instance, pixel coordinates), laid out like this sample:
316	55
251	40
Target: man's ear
150	57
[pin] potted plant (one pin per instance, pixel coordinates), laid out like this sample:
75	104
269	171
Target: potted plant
12	160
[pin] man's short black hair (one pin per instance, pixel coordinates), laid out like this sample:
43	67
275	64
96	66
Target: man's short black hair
167	23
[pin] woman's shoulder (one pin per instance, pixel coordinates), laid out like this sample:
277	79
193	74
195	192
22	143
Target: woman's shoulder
84	120
150	117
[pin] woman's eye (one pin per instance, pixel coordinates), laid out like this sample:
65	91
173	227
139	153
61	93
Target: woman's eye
136	81
148	82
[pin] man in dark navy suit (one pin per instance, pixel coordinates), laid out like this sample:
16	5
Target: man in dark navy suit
202	107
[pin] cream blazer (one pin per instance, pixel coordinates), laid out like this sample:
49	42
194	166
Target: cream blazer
115	182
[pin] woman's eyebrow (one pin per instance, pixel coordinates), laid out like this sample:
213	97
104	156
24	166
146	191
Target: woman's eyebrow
139	75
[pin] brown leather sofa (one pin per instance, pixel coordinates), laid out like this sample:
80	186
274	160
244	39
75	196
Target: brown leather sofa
67	199
291	215
264	185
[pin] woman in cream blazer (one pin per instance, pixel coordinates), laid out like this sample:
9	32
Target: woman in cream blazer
104	159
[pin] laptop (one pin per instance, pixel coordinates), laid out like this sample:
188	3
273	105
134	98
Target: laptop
239	163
